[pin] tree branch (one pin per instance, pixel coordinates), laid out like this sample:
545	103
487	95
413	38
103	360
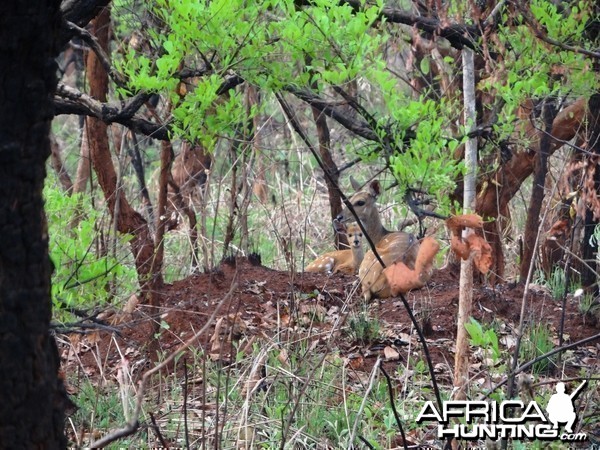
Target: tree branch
541	34
359	127
458	35
71	101
104	59
79	12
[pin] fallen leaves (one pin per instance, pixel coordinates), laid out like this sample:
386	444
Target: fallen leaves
403	279
473	245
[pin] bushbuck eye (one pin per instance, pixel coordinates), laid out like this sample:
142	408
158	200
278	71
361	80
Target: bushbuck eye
360	203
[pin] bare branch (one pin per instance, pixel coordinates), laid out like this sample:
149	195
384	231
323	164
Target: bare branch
71	101
359	127
458	35
104	59
79	12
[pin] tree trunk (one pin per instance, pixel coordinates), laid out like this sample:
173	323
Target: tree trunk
82	175
331	181
335	201
59	167
589	248
465	301
128	220
497	190
33	398
532	223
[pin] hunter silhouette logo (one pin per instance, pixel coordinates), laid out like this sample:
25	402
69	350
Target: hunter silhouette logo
560	407
478	419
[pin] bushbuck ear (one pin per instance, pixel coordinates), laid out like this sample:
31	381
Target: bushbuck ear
375	188
355	184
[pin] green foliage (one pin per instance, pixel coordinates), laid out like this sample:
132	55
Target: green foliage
363	328
531	68
84	276
271	45
557	283
537	342
488	340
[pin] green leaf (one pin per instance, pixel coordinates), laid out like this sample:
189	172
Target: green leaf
424	66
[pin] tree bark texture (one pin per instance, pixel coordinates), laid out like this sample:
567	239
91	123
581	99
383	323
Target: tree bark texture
332	182
589	273
465	300
32	396
502	185
129	221
537	191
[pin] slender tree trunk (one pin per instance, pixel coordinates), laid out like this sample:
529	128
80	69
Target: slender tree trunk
502	185
331	181
32	396
84	167
532	223
335	202
589	250
59	167
128	220
166	159
138	165
461	361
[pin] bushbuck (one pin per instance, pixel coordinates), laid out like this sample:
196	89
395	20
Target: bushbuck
392	246
345	261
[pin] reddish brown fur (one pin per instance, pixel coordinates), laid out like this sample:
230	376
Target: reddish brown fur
345	261
391	246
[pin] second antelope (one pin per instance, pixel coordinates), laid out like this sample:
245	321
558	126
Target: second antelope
392	246
345	261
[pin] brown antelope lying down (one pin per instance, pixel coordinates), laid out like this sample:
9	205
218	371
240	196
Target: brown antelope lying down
345	261
391	246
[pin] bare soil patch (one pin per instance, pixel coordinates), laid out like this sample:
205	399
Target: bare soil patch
263	301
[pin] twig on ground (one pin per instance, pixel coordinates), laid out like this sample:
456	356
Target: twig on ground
133	425
364	401
157	431
393	404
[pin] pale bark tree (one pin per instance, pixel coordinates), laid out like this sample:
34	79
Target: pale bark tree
461	366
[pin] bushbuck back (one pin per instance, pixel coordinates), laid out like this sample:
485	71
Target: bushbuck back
391	246
345	261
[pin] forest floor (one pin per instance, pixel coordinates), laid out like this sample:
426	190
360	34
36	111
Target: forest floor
261	298
252	304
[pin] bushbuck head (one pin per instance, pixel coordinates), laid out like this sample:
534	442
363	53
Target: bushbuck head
364	203
391	246
345	261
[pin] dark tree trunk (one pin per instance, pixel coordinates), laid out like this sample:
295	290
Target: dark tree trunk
332	181
537	192
589	248
32	397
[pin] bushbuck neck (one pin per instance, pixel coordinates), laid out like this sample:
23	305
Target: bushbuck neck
365	205
391	246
